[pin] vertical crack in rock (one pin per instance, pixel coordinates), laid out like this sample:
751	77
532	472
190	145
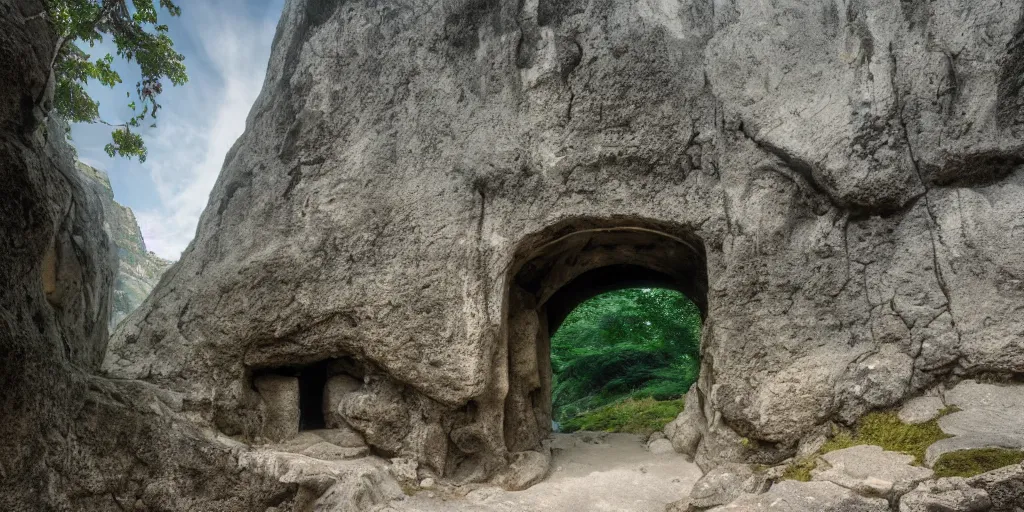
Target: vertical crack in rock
864	278
933	223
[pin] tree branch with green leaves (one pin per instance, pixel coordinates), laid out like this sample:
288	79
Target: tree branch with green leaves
139	38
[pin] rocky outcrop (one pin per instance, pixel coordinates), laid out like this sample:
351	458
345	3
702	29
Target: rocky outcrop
1001	490
869	470
138	269
805	497
838	186
859	478
70	440
721	486
977	415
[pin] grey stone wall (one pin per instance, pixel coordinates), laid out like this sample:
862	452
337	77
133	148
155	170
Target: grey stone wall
851	170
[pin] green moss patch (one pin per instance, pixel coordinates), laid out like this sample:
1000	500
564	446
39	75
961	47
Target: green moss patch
882	429
800	470
886	430
632	416
967	463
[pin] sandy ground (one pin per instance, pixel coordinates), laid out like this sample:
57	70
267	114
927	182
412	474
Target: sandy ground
592	472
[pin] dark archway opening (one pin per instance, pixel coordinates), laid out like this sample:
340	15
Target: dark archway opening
555	271
312	381
281	387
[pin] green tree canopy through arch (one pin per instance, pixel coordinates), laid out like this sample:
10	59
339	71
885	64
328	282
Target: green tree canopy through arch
635	343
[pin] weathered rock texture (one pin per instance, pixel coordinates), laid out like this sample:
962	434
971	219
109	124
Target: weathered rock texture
986	416
1001	490
138	270
795	496
423	186
70	440
869	470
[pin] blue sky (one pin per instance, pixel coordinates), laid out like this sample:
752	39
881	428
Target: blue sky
226	44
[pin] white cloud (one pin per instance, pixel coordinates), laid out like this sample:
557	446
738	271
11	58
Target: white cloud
187	148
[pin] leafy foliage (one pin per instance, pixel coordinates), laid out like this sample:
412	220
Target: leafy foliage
633	343
139	38
634	416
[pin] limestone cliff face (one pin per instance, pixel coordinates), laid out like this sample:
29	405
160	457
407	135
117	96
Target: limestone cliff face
70	440
138	270
838	184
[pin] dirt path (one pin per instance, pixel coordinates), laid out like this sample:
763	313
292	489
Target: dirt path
590	472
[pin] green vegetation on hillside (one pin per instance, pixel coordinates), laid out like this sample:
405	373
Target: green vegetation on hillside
622	359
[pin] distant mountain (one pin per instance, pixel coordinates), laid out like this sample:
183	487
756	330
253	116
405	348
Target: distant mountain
139	270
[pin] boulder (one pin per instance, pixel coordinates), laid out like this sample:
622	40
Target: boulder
661	447
725	483
970	394
793	496
871	471
989	417
280	396
945	494
403	469
378	412
334	391
921	409
524	470
1004	487
686	430
1001	490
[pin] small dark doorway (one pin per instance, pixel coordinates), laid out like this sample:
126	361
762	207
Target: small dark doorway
312	380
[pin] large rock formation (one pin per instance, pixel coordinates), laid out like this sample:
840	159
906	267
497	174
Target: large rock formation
138	270
837	184
70	440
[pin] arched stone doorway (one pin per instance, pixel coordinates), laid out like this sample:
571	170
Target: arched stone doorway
557	269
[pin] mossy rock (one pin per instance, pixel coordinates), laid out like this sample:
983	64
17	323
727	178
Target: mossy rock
882	429
801	470
968	463
632	416
886	430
